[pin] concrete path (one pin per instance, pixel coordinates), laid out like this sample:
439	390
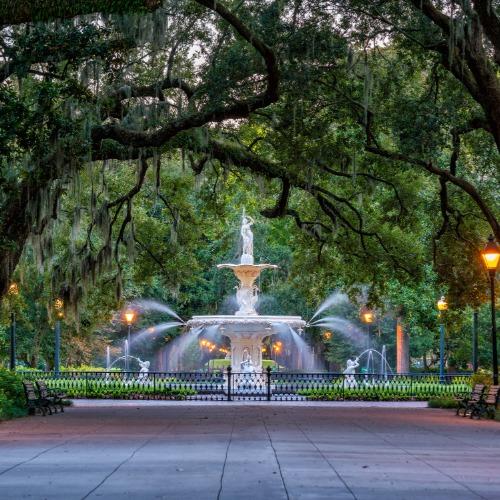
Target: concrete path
249	451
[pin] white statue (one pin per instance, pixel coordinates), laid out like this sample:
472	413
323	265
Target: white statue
143	373
247	365
247	236
349	379
247	298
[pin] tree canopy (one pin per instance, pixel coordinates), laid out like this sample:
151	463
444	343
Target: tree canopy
132	133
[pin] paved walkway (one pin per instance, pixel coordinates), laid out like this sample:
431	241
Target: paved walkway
244	451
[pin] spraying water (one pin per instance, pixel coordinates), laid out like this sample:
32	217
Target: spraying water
153	305
334	299
344	327
384	366
176	348
154	330
303	348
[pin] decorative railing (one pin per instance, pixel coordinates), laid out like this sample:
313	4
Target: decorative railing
276	386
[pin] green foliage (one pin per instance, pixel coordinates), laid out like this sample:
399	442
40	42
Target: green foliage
102	388
481	377
397	390
443	403
12	398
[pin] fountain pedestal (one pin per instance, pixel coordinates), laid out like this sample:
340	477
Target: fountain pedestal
247	292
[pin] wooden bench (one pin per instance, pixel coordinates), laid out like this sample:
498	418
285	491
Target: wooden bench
33	401
487	404
466	402
53	396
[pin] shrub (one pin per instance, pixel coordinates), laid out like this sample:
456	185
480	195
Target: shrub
443	403
12	399
481	377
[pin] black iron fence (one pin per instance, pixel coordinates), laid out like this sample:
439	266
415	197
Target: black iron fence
271	386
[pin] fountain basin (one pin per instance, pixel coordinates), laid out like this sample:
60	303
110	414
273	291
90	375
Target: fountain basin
242	324
247	273
246	333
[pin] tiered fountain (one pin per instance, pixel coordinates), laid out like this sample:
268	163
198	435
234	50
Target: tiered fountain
246	329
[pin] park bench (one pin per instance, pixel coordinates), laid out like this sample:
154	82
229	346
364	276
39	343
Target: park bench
487	404
53	396
472	398
33	401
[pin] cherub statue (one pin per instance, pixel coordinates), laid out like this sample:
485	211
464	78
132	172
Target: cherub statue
143	373
350	379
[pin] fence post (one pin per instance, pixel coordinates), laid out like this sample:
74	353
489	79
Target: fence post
86	384
343	387
229	383
154	385
268	369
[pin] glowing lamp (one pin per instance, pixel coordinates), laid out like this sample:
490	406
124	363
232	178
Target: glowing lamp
13	289
368	317
491	254
59	307
327	335
442	305
129	316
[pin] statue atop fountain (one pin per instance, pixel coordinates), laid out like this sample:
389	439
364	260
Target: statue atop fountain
246	271
247	237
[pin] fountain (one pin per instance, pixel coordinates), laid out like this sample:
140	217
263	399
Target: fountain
246	329
383	368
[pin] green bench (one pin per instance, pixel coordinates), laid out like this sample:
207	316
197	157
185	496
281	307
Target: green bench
487	404
465	403
34	401
53	396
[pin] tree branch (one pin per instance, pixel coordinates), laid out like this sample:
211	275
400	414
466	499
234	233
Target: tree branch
448	176
28	11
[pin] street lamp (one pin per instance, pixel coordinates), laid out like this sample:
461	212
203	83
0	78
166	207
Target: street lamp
442	306
491	256
367	317
59	308
129	319
277	351
12	292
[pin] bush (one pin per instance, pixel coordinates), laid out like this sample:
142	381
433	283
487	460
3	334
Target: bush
12	399
443	403
481	377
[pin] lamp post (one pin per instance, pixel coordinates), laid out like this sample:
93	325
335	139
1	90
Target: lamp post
277	351
491	256
442	306
475	327
59	308
13	291
368	317
129	319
